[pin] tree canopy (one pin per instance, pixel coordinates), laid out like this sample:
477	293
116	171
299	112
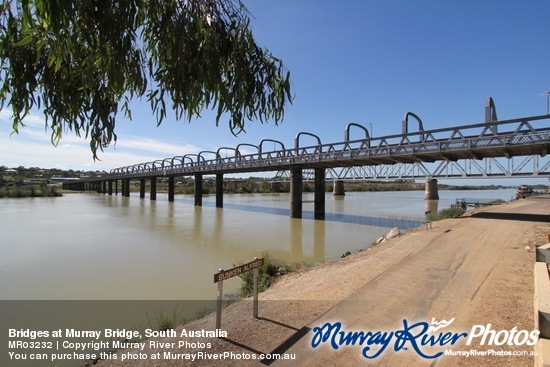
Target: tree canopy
82	62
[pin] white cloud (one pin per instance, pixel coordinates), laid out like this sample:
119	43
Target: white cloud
32	147
31	119
161	149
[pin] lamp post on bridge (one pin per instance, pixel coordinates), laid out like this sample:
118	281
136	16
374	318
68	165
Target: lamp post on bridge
547	102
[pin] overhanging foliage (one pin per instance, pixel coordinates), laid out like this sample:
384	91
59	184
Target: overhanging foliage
81	62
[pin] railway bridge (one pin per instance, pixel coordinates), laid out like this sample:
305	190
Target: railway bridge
461	151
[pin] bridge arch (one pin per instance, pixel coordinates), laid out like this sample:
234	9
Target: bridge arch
297	140
158	164
200	155
346	135
226	149
260	149
122	169
177	158
406	124
169	160
238	152
188	156
143	166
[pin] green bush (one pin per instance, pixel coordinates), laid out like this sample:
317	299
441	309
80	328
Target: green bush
449	213
265	274
164	322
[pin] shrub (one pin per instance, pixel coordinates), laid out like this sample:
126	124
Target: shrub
265	273
449	213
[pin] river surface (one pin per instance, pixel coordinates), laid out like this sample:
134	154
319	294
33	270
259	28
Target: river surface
98	247
96	262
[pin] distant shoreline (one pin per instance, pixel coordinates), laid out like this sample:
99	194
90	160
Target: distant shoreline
34	191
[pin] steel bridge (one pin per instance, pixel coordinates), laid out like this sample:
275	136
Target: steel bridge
489	149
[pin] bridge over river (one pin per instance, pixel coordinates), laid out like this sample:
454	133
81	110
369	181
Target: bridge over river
453	151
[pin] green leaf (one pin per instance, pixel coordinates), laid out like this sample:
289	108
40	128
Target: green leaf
25	41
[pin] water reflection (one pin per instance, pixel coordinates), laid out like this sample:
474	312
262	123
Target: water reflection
340	216
432	206
319	241
296	246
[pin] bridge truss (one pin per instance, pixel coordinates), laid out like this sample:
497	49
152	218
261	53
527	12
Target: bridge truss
522	167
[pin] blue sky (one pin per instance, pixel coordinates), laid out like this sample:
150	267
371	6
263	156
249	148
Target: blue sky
367	62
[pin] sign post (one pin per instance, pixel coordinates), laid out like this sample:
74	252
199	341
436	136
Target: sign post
255	293
222	275
219	304
428	218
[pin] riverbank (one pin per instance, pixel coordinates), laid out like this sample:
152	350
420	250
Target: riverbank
29	191
476	269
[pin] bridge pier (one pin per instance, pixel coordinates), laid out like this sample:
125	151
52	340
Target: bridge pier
126	187
198	189
320	186
142	188
110	187
116	187
219	190
153	194
431	192
296	192
171	188
339	188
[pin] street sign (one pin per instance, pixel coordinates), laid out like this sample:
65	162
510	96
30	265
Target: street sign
226	274
222	275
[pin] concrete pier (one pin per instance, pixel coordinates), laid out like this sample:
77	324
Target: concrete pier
198	190
320	185
142	188
431	192
126	187
171	188
296	192
219	190
339	188
153	194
